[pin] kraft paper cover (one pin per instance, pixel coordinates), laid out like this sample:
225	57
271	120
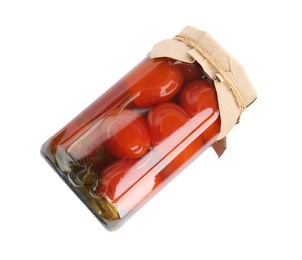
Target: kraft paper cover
234	90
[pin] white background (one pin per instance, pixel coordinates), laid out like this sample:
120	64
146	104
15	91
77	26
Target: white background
56	57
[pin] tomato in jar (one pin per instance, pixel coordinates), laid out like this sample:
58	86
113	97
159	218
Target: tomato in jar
197	96
125	134
164	119
154	81
114	181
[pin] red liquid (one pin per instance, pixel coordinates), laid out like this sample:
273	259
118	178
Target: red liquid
136	137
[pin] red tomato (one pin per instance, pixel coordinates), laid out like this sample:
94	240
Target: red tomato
197	96
154	81
164	119
125	134
126	183
114	180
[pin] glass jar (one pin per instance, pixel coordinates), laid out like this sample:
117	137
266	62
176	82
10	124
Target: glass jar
182	98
